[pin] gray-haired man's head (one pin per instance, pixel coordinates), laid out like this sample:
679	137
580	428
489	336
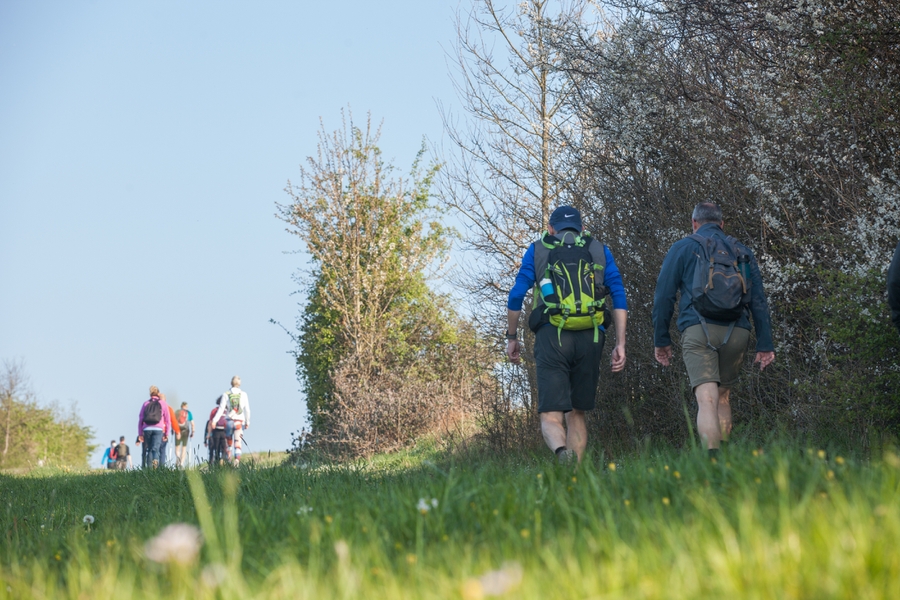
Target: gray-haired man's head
707	212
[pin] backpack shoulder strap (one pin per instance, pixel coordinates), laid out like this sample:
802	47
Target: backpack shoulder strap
542	249
597	250
703	241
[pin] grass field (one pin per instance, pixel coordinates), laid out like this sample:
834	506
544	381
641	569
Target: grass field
774	522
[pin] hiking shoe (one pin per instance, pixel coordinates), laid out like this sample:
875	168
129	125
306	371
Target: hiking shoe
567	457
154	463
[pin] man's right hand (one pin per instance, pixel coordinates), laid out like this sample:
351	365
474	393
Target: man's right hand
663	355
764	359
514	351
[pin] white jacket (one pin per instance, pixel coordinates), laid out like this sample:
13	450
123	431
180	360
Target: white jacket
241	413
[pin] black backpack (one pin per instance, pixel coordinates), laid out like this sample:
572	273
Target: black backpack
153	413
721	287
122	451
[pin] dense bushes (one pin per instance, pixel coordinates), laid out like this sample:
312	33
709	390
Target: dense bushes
383	359
786	115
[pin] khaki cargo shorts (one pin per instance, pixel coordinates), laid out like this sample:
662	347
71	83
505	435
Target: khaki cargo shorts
704	364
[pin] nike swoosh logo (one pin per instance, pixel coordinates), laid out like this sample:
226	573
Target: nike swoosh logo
568	216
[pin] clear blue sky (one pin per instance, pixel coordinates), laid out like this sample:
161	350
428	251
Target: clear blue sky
143	146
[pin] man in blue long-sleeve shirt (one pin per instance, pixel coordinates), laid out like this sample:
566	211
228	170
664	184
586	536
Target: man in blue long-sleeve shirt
567	361
713	354
893	288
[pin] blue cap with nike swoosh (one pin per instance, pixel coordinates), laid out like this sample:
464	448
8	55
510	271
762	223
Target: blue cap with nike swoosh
566	217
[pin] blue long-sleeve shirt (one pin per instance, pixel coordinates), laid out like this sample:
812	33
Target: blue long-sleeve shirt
677	273
893	287
525	280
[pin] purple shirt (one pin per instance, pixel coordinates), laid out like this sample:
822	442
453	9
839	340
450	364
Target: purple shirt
165	423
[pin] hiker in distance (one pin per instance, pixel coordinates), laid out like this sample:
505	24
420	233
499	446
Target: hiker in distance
173	432
123	455
109	456
185	421
235	405
720	285
574	273
153	426
215	436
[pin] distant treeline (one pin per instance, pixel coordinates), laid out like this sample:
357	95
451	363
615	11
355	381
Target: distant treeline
32	435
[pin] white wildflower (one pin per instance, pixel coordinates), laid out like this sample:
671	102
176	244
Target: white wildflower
214	575
88	519
425	505
178	543
342	550
495	583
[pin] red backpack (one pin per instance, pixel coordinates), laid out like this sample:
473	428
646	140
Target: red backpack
181	416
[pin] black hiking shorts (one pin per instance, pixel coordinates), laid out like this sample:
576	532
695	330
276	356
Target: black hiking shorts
568	368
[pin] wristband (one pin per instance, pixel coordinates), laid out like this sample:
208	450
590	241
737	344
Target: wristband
512	336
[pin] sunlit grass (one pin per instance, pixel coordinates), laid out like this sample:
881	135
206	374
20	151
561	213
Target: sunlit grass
772	522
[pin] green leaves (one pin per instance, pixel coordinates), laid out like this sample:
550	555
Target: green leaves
371	327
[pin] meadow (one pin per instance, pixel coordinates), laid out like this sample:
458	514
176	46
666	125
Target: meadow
776	521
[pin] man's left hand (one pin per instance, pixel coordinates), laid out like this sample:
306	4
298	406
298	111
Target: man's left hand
618	358
513	351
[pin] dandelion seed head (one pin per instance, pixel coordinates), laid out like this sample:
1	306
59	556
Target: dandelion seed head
178	543
495	583
88	519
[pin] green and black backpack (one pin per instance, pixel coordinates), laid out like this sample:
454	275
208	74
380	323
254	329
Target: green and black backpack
569	293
